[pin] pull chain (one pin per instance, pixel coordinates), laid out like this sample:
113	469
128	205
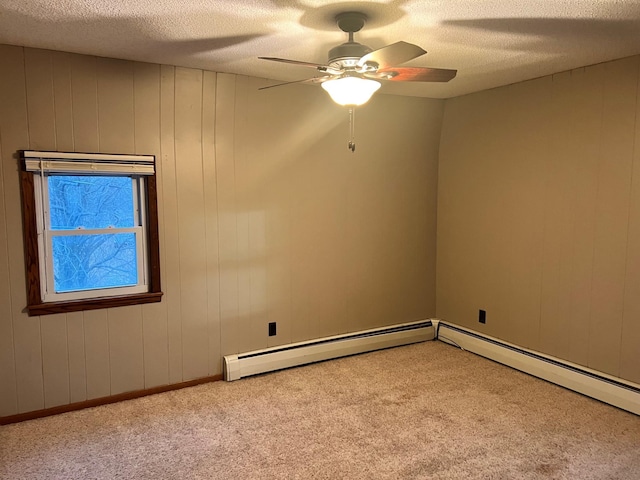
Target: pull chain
352	129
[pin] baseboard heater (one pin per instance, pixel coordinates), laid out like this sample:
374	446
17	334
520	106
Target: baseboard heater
291	355
603	387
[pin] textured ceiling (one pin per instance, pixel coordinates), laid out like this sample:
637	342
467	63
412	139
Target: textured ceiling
490	43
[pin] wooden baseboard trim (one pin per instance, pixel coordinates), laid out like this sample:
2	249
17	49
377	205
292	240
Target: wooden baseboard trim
21	417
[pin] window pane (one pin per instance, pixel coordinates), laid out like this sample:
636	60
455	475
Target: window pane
79	201
85	262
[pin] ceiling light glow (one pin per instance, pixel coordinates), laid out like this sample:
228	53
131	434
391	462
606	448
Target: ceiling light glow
351	90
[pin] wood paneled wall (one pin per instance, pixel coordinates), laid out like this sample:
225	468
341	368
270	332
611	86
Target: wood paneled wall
264	216
539	215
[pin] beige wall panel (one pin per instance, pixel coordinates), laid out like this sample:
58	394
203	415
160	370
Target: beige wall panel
488	186
362	204
146	109
345	265
485	195
394	175
14	130
147	141
586	124
472	188
252	336
529	131
77	362
495	223
557	155
40	104
42	135
126	349
318	290
155	344
270	157
169	242
630	339
492	228
257	223
211	219
55	360
278	269
227	226
459	133
28	361
254	203
431	138
612	214
8	394
84	97
97	362
318	218
258	205
191	227
115	106
558	226
411	183
63	101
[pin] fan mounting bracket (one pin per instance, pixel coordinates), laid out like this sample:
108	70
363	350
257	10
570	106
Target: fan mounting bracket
351	22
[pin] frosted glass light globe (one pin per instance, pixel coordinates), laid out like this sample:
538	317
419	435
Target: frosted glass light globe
350	91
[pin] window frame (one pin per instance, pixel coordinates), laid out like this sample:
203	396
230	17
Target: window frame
47	233
34	249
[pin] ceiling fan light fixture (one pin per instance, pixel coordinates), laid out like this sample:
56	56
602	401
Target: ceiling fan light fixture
351	90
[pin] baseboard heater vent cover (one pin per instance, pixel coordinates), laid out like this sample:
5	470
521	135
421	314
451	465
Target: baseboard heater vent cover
285	356
603	387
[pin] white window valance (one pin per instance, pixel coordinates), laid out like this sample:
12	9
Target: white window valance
88	163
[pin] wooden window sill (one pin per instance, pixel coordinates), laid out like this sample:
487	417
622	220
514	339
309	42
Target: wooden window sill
93	303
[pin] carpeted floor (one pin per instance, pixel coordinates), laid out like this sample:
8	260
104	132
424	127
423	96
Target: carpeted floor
424	411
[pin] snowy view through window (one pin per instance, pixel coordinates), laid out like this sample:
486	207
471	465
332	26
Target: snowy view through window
87	215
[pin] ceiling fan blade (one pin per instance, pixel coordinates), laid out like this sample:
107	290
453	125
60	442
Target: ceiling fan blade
417	74
305	81
294	62
399	52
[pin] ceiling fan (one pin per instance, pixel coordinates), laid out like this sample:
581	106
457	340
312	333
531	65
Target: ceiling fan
354	70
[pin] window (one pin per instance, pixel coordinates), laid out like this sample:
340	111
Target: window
91	231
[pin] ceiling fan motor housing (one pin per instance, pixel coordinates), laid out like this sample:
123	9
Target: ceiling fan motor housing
347	54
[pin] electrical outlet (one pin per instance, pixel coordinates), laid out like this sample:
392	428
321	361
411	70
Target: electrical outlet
482	316
272	329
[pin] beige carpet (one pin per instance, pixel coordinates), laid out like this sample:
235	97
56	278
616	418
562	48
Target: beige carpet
423	411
